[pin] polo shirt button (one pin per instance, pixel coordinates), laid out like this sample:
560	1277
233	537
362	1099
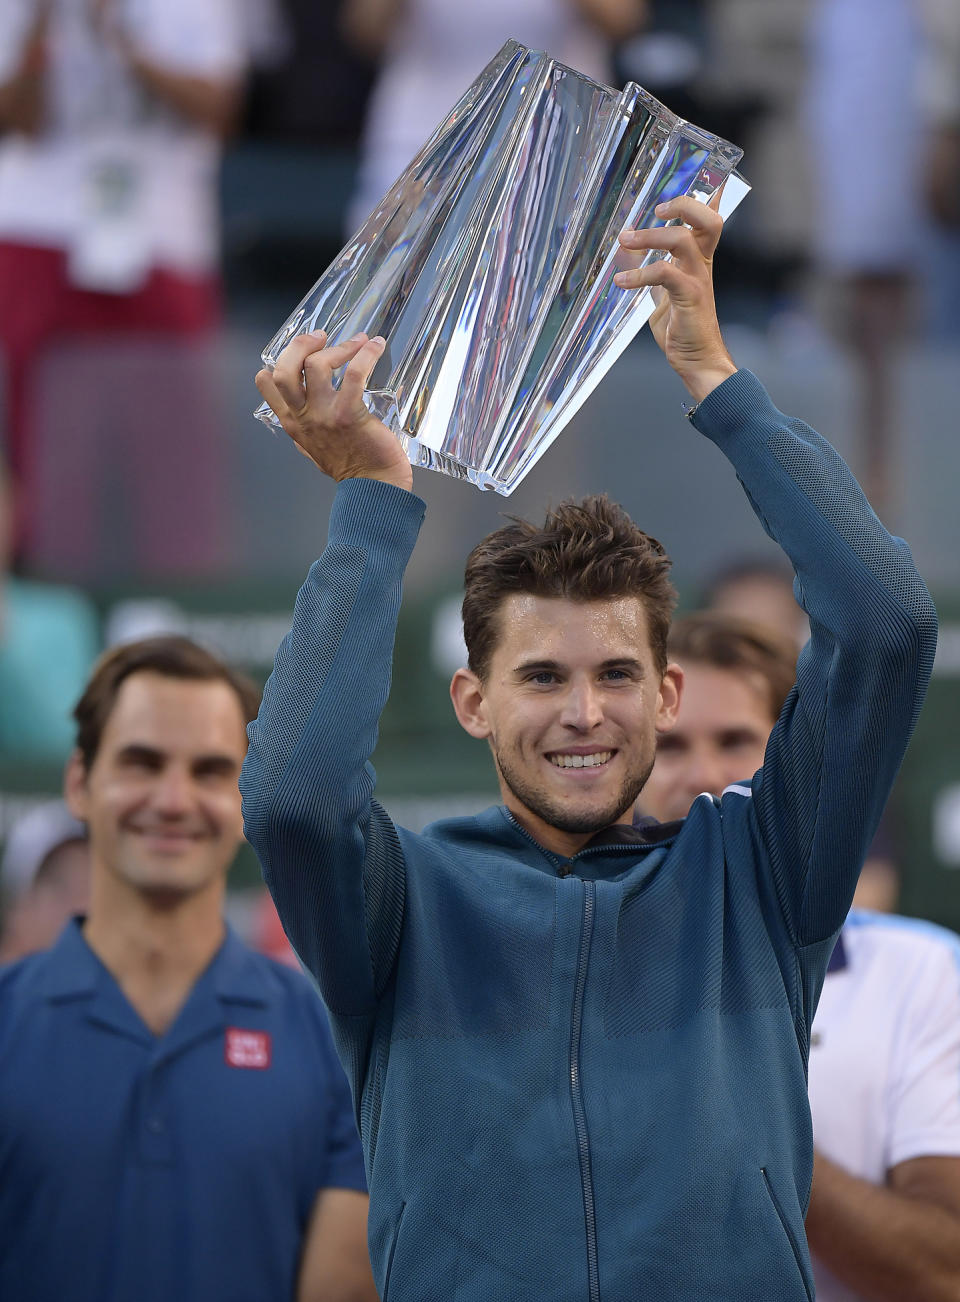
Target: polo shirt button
155	1125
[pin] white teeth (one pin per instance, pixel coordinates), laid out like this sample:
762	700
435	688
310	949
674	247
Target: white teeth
581	761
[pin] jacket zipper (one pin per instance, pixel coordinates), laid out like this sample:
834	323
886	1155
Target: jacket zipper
576	1090
563	869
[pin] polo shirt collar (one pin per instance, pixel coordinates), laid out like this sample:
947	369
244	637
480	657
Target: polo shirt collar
71	969
238	974
235	976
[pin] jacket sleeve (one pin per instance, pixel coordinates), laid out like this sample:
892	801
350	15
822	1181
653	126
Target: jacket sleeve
835	750
329	853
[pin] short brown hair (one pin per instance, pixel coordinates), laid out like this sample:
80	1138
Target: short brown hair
585	551
170	657
727	642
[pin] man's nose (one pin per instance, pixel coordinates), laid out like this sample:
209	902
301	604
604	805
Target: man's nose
172	794
582	707
706	773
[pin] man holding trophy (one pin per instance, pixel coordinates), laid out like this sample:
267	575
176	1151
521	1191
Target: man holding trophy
578	1048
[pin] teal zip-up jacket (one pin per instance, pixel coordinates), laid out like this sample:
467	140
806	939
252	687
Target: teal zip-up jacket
584	1080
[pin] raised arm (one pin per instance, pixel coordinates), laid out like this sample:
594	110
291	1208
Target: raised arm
203	82
835	750
23	35
329	853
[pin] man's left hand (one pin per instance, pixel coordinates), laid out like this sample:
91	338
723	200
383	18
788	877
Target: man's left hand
684	323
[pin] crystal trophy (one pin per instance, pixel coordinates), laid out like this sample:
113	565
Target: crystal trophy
488	267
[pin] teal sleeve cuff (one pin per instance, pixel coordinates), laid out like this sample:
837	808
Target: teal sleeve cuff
369	512
737	403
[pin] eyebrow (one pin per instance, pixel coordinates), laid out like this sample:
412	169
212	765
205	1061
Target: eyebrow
617	662
138	753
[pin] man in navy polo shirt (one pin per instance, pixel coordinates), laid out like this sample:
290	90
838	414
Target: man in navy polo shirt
174	1123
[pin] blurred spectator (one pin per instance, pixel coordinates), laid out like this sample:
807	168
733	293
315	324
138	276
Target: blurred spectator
941	97
433	50
113	114
174	1122
870	130
44	879
667	55
313	91
750	91
940	89
49	637
884	1217
736	676
761	592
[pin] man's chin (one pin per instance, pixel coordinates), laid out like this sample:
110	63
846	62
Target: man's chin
581	817
581	813
166	889
584	823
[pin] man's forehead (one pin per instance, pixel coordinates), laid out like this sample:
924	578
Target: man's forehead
716	698
155	709
528	623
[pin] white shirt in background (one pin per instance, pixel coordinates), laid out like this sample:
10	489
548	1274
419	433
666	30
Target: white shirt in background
885	1053
437	49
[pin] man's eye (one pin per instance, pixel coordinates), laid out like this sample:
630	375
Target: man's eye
669	744
738	741
615	675
543	678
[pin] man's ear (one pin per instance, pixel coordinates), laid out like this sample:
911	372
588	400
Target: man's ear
668	698
75	786
466	693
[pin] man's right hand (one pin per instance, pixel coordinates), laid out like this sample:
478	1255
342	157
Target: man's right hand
332	426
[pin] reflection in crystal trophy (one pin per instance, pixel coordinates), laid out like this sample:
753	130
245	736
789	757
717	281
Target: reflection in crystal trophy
488	267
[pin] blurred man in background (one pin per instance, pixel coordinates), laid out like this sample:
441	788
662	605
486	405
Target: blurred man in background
884	1215
761	592
173	1119
736	677
44	879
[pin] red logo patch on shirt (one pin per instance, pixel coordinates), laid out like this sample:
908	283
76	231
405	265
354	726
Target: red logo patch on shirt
247	1048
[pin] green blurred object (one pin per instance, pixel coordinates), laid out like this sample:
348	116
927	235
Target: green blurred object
928	789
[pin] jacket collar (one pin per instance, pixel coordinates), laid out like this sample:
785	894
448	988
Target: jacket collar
643	831
643	835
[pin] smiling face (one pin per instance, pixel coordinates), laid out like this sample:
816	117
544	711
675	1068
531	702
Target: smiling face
160	798
570	706
719	738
